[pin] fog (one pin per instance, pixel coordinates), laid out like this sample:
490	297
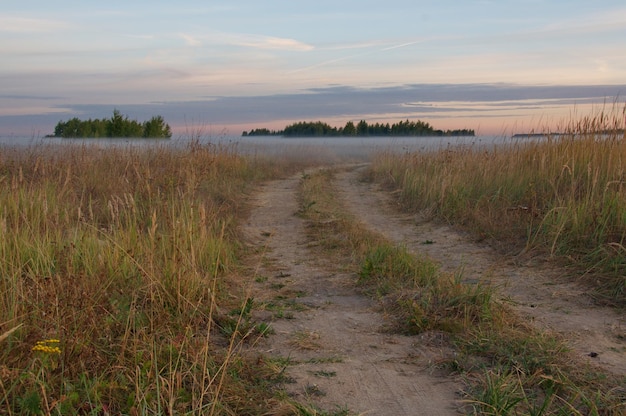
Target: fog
327	150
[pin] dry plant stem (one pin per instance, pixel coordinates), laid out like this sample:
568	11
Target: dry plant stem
9	332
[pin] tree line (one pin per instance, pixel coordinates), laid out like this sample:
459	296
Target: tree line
116	126
362	128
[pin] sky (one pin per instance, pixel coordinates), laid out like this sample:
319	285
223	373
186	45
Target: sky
495	66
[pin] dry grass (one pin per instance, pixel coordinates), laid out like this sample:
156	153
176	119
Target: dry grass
305	340
118	264
413	289
510	367
564	196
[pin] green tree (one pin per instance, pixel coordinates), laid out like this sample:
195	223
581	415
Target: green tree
362	128
157	128
115	125
349	129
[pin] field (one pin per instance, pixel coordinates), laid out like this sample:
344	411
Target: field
132	280
563	196
119	269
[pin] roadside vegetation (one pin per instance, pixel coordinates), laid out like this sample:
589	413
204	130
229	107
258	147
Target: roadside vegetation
510	367
119	282
563	197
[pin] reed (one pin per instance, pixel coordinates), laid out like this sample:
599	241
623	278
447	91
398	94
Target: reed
117	266
563	196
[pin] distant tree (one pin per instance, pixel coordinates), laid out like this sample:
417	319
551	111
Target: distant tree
362	128
133	128
349	129
401	128
117	126
310	129
156	128
259	132
99	128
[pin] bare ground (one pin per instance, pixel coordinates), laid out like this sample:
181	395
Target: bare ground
335	340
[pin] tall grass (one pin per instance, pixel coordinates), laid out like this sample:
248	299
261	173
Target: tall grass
510	367
117	267
564	195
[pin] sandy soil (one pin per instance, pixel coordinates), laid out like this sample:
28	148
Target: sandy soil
341	356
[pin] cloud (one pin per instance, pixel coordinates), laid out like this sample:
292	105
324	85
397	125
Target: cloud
12	24
463	104
402	45
353	45
29	110
247	40
141	37
268	42
370	49
604	21
27	97
408	100
263	42
190	40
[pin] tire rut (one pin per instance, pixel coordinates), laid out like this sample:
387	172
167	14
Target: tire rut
540	292
340	356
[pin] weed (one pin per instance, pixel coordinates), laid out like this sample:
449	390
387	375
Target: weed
305	340
264	329
500	395
325	374
303	410
325	360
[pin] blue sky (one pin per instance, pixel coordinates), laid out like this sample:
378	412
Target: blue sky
488	65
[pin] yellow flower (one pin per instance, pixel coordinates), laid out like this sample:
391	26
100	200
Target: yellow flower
48	346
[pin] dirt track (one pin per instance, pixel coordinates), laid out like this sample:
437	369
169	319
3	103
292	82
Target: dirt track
341	356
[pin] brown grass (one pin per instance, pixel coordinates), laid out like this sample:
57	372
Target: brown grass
129	258
510	367
563	196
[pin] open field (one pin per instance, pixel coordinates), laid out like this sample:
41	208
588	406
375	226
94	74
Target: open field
198	280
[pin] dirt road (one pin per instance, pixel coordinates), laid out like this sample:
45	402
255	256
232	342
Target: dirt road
339	354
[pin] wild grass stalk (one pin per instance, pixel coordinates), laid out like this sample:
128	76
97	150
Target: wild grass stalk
127	257
564	195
